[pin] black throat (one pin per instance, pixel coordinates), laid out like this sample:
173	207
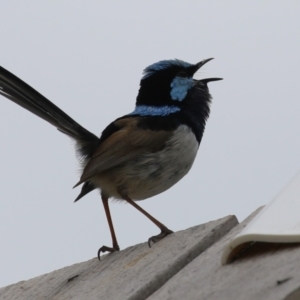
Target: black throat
196	109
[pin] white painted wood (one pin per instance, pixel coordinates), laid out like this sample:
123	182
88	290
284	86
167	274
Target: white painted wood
267	274
278	222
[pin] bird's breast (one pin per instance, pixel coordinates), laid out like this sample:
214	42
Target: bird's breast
150	174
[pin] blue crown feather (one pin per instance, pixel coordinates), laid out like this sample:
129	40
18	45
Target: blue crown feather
164	64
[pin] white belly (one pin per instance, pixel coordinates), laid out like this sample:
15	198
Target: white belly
152	173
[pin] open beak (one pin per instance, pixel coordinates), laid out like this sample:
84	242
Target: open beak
202	63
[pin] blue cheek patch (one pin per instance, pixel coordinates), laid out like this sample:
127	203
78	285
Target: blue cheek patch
146	110
180	87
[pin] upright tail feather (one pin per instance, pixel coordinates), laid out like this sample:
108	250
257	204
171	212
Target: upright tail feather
24	95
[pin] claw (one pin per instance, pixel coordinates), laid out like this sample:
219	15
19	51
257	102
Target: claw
157	238
107	249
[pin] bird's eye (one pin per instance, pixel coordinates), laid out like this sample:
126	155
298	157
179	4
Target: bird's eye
182	74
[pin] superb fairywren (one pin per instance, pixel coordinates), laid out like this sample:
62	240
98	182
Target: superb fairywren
143	153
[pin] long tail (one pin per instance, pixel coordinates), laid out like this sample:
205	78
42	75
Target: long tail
24	95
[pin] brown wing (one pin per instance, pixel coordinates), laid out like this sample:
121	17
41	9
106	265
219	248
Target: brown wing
123	145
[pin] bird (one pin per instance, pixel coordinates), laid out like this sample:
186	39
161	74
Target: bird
142	153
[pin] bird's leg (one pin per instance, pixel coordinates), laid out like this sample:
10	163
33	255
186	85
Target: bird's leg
164	230
115	246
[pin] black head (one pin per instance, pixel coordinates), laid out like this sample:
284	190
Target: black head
168	82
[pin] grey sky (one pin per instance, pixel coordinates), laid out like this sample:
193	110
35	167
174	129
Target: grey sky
88	57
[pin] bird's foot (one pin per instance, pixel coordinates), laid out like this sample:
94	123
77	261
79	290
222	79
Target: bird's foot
156	238
108	249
